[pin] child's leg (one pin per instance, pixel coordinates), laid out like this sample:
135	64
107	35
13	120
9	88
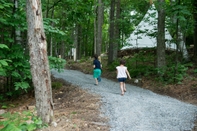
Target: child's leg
95	75
99	79
122	88
96	81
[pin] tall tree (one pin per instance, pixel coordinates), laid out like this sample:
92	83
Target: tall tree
75	37
116	30
161	61
195	27
179	31
99	27
95	26
41	75
17	30
111	32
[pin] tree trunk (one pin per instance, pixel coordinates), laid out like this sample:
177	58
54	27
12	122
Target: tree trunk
86	46
41	75
51	35
95	26
161	61
75	42
62	50
111	32
117	30
99	28
79	42
17	29
195	27
47	9
180	38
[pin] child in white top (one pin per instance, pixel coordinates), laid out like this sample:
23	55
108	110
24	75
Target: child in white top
122	73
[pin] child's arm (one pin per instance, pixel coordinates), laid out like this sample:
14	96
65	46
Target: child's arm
93	64
128	74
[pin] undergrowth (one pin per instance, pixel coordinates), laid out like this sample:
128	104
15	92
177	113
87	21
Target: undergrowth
143	63
25	121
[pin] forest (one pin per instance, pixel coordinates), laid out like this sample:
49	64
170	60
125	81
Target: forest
37	36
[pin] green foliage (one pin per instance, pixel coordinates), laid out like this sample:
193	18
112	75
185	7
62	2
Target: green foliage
173	73
85	59
56	63
15	66
182	13
6	105
19	122
3	61
142	63
56	85
195	71
22	85
19	68
50	29
1	97
10	127
113	65
3	46
11	19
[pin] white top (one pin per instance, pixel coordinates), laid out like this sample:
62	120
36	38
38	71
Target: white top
121	71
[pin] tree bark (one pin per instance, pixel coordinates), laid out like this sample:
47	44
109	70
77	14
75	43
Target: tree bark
75	34
161	61
99	28
17	29
111	32
117	30
41	75
195	27
51	35
79	41
95	26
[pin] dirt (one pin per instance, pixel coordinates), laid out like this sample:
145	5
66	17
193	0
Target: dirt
74	109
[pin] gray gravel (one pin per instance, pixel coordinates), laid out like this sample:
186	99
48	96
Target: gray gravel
138	109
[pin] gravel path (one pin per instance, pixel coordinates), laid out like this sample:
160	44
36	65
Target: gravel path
138	109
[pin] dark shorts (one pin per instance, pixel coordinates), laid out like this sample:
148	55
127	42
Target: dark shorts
122	79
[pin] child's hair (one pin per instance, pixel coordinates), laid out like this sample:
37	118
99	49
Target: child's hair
122	62
95	56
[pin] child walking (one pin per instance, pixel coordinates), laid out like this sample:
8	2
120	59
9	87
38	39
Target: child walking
122	74
97	69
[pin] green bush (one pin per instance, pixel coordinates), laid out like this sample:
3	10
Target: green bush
14	65
56	85
173	73
3	60
140	64
113	65
18	122
56	63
